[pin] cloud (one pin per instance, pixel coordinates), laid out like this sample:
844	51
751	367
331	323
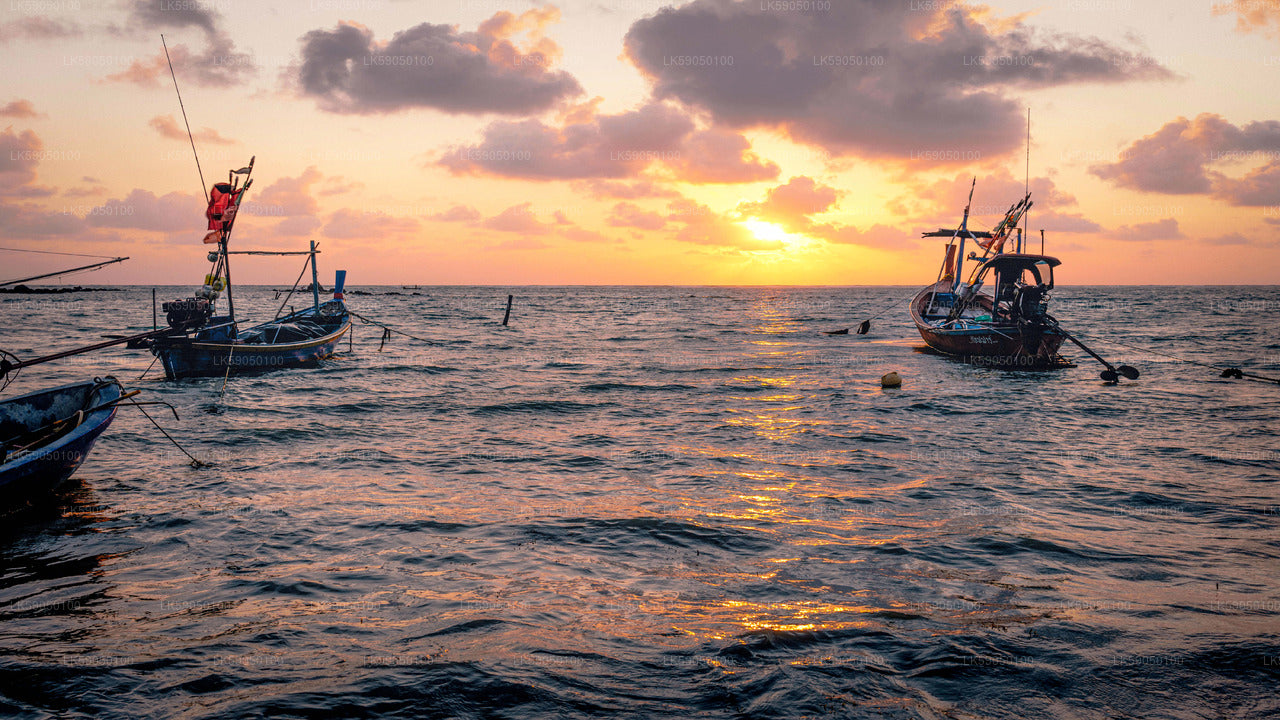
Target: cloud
907	81
38	28
1180	159
21	109
622	190
627	214
613	147
578	234
799	198
517	219
791	205
606	146
298	226
1252	15
219	64
287	197
941	203
720	156
143	210
26	220
168	127
20	154
436	66
704	226
1234	238
458	213
350	224
1166	229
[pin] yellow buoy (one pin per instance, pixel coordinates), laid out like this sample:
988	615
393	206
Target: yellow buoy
891	380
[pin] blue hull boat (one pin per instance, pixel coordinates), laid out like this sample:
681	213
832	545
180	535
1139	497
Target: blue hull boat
301	339
46	435
205	344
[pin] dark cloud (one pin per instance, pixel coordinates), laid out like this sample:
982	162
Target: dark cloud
436	66
612	147
22	109
1184	156
168	127
38	28
1165	229
911	81
219	64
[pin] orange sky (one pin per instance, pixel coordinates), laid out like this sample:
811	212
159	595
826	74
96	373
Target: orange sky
643	142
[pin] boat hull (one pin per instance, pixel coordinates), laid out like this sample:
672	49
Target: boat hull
191	358
994	345
42	471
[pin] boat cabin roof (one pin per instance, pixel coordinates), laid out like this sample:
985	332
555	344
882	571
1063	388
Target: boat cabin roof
1019	261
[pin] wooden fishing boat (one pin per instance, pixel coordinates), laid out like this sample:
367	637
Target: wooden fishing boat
1011	326
205	344
47	434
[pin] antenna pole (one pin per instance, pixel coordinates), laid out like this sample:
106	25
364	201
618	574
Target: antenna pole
1028	181
190	137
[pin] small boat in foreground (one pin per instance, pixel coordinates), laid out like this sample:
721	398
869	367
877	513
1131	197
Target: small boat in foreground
1011	326
47	434
205	344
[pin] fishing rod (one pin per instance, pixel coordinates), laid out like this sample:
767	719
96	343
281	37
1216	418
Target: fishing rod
64	272
7	366
190	137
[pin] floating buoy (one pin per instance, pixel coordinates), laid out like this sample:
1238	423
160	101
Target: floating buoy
891	380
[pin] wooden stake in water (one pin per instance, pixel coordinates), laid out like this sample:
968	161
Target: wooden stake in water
507	316
155	324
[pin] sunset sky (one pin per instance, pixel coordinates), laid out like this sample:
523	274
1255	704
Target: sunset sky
765	142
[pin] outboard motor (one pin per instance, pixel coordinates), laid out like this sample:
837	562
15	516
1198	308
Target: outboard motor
187	314
1030	303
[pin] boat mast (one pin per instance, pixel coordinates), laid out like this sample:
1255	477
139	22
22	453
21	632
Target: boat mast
315	280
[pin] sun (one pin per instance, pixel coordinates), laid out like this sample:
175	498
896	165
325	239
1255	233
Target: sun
772	232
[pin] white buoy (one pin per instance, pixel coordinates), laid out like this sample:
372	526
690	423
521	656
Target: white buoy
891	380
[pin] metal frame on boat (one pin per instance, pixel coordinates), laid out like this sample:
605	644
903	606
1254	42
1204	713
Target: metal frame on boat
1009	328
205	344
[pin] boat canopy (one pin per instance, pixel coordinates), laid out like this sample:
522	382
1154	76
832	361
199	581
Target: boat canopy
1012	265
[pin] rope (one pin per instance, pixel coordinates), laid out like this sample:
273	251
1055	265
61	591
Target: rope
1236	373
51	252
388	328
153	364
194	462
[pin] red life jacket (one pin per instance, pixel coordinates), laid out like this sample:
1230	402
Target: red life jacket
222	206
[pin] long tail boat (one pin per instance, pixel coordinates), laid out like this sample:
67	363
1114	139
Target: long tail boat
46	435
1008	327
208	344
